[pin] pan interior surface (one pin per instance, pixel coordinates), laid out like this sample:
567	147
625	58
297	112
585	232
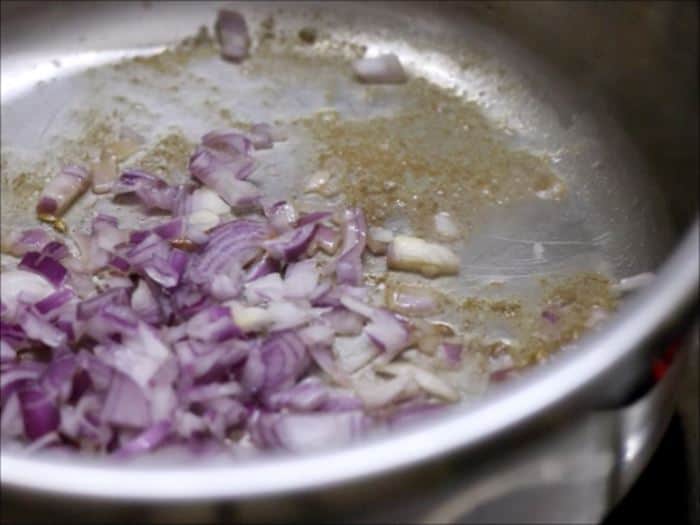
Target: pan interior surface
541	185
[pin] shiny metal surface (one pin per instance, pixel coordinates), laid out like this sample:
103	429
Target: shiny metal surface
605	95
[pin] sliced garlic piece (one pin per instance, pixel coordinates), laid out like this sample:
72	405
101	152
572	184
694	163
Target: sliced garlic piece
412	254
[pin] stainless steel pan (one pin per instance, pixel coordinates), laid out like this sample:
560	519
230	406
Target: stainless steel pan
608	91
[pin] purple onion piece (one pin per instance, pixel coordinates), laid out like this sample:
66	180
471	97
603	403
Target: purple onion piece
32	240
54	301
451	353
126	404
39	329
39	414
349	263
214	325
238	242
276	364
291	245
233	36
44	265
304	432
89	307
56	250
229	141
147	440
62	190
264	266
281	215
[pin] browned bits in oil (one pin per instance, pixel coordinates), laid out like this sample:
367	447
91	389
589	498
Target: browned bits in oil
503	308
25	185
169	156
226	114
572	300
267	28
307	35
439	153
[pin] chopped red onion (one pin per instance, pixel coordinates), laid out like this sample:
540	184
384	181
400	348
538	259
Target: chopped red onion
228	141
301	279
62	190
386	330
292	244
313	218
89	307
232	33
126	404
151	190
237	241
204	393
377	393
451	353
204	199
282	216
17	375
353	353
264	135
111	321
344	322
39	329
44	265
306	396
32	286
317	334
55	300
166	271
236	192
20	242
7	353
214	167
412	300
144	303
328	239
213	325
414	411
349	263
264	266
148	440
304	432
503	374
11	424
276	364
139	356
39	414
190	329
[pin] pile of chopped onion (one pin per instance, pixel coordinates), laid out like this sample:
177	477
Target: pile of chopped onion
230	321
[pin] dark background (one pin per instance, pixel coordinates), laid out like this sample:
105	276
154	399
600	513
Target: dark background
668	491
